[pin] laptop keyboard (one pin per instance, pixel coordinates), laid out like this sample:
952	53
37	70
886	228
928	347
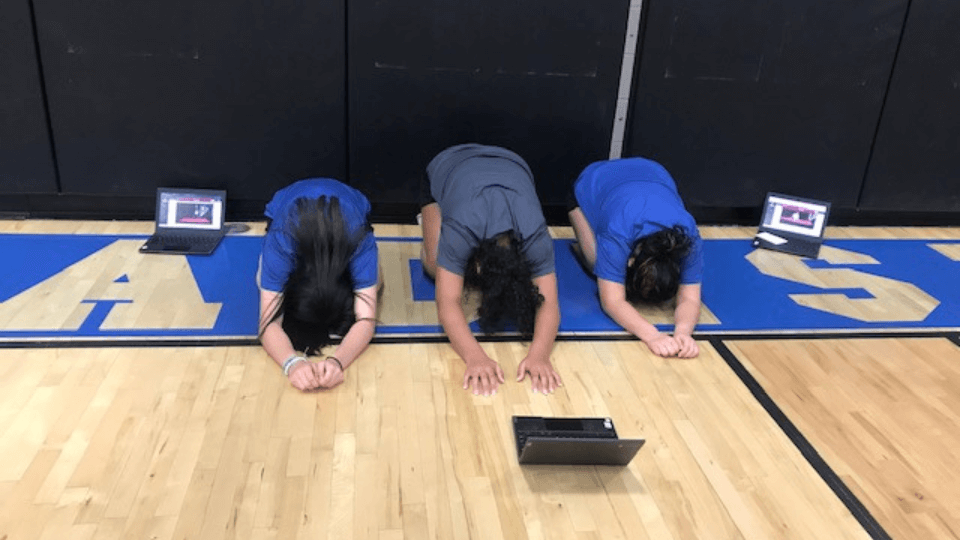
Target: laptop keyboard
522	437
181	243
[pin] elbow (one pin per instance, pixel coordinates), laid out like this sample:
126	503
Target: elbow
430	266
606	305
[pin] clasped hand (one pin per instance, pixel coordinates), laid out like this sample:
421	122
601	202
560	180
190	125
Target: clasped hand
308	375
679	345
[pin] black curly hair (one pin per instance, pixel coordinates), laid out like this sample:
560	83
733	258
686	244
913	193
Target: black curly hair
653	272
317	300
503	276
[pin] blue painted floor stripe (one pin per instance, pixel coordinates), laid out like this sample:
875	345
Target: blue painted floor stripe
734	289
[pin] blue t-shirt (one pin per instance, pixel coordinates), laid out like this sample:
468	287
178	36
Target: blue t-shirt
627	199
278	256
484	191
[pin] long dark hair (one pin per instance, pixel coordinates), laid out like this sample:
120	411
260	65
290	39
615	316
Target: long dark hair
653	275
502	275
317	300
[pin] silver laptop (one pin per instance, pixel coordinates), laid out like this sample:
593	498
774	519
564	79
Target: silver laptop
188	221
571	441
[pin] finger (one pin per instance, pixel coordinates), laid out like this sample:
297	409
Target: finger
320	375
544	379
466	379
521	371
500	376
545	383
481	387
300	384
484	384
542	385
333	374
316	378
554	380
301	374
319	371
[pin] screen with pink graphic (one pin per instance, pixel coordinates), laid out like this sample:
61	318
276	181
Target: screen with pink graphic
800	217
190	211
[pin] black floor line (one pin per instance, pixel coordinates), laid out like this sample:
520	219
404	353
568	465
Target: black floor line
118	344
847	334
200	341
863	516
859	511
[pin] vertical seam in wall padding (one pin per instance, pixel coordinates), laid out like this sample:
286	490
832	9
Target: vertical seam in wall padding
883	105
348	102
622	105
859	511
43	95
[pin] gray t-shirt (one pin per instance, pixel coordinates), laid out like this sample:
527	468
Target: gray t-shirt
484	191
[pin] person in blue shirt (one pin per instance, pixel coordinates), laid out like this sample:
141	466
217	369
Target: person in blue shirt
483	229
318	277
634	234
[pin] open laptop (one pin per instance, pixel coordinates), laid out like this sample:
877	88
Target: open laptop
792	225
571	441
188	221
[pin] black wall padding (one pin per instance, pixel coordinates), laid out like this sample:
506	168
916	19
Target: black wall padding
539	77
242	95
737	99
916	160
26	160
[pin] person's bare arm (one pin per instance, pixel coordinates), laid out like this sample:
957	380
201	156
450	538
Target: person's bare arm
686	316
277	344
430	220
613	299
482	373
586	241
543	377
330	372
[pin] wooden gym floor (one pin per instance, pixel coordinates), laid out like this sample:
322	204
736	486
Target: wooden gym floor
761	437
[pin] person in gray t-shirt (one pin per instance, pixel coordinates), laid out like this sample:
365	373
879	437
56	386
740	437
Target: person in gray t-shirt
483	228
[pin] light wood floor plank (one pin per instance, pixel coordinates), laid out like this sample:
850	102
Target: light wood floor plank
884	415
214	443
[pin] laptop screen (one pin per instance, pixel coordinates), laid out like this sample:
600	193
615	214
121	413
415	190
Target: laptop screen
783	213
193	210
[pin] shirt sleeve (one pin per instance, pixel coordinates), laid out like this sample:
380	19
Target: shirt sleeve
612	256
691	270
363	264
276	263
453	248
540	254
